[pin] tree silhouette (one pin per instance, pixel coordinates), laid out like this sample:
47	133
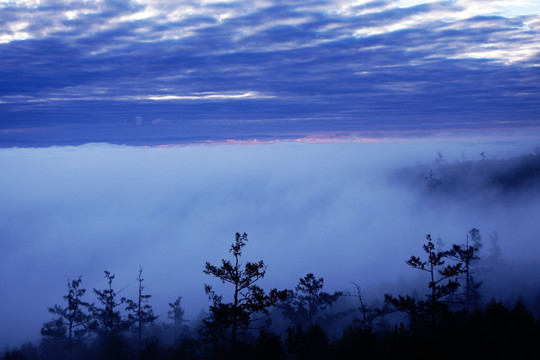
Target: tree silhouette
368	313
432	182
176	314
139	311
468	254
107	319
302	306
250	302
72	320
443	281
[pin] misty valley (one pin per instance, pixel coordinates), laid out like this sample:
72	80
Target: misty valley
460	298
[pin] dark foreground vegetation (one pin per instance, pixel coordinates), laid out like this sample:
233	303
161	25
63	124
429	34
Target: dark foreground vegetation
449	321
447	318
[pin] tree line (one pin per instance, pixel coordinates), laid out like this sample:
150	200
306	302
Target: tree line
449	320
506	177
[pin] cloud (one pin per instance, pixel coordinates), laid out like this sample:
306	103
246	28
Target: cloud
204	96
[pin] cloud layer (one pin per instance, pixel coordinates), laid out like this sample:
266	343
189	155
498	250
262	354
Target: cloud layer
74	72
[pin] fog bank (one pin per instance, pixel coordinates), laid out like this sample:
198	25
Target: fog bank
338	210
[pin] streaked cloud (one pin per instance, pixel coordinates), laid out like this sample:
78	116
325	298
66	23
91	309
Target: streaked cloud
72	95
378	60
205	96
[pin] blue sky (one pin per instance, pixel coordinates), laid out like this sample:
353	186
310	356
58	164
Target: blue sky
149	73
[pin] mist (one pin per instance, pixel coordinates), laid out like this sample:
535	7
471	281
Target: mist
346	211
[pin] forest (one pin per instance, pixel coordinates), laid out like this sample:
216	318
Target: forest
448	317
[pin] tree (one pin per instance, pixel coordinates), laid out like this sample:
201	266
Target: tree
443	281
72	320
368	313
176	314
107	319
302	306
431	181
467	254
440	158
139	311
250	303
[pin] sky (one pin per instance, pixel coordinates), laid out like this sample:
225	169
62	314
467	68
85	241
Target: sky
150	73
148	133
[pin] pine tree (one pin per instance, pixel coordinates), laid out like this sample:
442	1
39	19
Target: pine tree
250	302
176	314
308	301
107	319
468	255
71	322
140	312
443	282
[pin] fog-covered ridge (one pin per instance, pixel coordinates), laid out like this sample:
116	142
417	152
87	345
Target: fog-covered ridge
505	178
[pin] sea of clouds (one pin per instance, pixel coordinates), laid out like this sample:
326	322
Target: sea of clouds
335	209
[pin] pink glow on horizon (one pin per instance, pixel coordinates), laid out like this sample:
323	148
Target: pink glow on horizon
464	135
